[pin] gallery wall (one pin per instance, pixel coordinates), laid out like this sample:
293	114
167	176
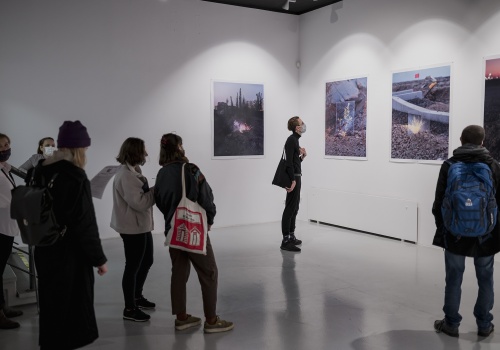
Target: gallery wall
373	39
144	68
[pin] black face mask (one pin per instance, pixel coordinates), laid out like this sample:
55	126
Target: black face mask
5	155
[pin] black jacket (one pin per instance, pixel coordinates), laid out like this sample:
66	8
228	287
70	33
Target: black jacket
65	269
293	159
466	246
168	190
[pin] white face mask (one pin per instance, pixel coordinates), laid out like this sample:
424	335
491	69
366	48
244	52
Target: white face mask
304	128
48	151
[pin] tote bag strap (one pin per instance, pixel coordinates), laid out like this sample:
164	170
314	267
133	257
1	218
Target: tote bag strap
183	182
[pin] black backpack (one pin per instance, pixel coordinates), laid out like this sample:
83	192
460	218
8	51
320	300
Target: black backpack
31	207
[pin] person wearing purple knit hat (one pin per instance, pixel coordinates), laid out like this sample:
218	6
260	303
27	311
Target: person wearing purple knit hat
65	269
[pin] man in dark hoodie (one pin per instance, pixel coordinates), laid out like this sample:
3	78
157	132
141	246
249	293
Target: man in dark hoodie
457	248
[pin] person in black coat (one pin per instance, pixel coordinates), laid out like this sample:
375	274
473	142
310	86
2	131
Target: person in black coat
65	269
482	249
294	157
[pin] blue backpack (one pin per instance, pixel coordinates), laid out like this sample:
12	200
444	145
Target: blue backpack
469	207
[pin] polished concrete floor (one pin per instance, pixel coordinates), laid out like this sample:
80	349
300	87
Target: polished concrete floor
345	290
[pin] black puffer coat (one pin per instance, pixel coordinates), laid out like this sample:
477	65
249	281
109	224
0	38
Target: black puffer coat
466	246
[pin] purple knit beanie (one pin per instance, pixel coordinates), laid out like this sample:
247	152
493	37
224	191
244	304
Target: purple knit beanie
73	135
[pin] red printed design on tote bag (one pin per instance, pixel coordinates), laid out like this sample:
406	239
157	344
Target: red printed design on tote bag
188	229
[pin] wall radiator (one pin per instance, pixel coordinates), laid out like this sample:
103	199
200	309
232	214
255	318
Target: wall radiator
391	217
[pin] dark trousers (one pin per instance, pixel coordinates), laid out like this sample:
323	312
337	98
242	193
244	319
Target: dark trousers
138	260
205	267
5	251
291	208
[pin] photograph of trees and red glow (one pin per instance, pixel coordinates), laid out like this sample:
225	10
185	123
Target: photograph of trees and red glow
238	124
345	118
420	114
492	107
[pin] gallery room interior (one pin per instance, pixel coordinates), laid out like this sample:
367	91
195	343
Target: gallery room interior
368	276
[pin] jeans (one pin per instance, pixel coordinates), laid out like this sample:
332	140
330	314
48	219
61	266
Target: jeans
455	267
291	208
138	260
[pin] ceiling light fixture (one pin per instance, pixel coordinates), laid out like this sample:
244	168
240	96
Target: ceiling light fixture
286	6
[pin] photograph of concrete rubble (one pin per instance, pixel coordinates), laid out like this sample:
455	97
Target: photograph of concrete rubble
420	114
345	118
238	119
492	107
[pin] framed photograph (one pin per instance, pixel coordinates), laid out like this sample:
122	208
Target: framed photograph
421	115
238	120
345	118
492	106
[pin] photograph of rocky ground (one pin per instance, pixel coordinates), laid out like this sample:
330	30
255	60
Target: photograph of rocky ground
492	117
417	138
345	118
239	125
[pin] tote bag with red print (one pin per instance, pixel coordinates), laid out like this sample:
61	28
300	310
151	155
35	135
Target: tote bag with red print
188	227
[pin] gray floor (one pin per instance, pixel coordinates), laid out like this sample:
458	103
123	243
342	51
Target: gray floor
345	290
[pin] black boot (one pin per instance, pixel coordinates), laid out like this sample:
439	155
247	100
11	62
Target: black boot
9	313
287	244
6	323
294	239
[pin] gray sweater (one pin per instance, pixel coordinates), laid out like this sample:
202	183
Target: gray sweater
132	207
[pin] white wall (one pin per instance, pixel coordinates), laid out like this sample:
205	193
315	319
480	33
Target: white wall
374	38
144	68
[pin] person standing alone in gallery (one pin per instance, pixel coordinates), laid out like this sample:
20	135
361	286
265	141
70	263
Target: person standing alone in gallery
459	246
294	157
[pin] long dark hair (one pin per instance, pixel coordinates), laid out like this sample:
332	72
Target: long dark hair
171	149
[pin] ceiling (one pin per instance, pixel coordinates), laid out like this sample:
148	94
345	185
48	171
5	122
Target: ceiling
297	7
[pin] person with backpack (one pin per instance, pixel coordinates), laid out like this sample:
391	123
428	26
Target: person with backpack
132	218
65	268
465	212
8	230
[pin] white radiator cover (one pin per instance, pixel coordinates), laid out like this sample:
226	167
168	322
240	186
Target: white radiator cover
391	217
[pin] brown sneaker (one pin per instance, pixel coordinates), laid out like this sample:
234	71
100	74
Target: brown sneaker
189	322
6	323
218	326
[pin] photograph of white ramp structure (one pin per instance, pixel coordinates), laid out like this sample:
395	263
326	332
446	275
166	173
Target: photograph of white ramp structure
345	118
421	114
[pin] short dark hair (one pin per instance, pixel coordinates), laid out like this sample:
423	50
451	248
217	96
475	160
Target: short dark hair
170	150
293	122
132	151
40	144
3	136
473	134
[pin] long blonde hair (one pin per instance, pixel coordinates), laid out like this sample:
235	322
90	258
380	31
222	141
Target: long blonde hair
78	156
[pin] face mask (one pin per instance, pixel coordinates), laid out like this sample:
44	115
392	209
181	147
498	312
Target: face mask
5	155
48	151
304	128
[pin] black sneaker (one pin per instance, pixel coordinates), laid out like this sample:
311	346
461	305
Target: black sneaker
135	315
290	246
143	303
484	332
294	239
442	326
